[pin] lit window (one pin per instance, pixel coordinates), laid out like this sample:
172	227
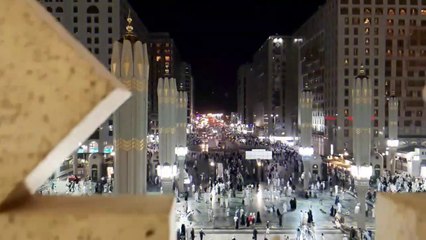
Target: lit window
367	41
367	21
367	31
402	11
346	61
167	58
423	12
367	51
391	11
158	58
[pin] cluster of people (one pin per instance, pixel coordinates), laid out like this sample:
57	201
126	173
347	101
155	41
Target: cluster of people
400	182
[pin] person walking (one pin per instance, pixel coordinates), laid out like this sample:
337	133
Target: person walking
192	234
254	237
202	234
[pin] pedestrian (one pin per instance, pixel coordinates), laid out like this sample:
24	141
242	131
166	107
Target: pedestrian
202	234
322	236
254	234
192	234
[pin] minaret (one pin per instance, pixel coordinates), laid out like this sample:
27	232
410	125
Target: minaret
129	63
305	103
362	112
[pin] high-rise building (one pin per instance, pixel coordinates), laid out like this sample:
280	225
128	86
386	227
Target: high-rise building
96	24
164	62
185	83
242	98
387	37
274	85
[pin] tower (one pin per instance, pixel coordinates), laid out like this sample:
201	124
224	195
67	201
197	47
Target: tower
130	64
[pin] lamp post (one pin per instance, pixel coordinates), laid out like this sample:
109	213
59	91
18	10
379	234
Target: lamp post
167	172
306	153
181	155
362	176
362	111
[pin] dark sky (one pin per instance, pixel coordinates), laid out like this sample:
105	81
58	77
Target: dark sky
215	38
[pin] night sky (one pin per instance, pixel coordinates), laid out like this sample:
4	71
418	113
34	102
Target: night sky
216	38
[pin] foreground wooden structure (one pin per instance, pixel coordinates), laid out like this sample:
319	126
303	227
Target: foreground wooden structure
401	216
53	95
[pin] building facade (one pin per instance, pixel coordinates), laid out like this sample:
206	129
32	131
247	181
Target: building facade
388	37
242	81
96	24
271	84
185	83
164	63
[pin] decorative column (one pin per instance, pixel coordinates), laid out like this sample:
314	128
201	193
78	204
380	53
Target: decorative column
362	112
130	64
393	141
306	150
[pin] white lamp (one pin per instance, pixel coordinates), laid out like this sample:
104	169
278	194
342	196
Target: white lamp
361	172
181	151
167	171
306	151
392	143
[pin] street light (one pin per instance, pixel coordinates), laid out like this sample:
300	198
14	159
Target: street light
362	176
361	173
306	151
181	152
392	143
166	173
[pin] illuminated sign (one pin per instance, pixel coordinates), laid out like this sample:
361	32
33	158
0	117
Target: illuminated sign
258	154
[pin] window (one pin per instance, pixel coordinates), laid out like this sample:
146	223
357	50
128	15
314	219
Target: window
418	123
346	102
92	10
96	20
109	50
109	9
407	123
379	11
379	2
355	41
96	50
109	19
75	20
346	41
376	123
75	9
346	82
89	40
96	40
376	103
408	113
355	11
109	40
376	92
355	1
89	29
355	31
109	30
391	11
346	112
419	113
367	1
402	11
344	1
346	31
367	11
346	51
423	11
346	92
59	10
391	2
96	30
344	11
346	132
401	22
49	9
158	58
75	29
402	2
